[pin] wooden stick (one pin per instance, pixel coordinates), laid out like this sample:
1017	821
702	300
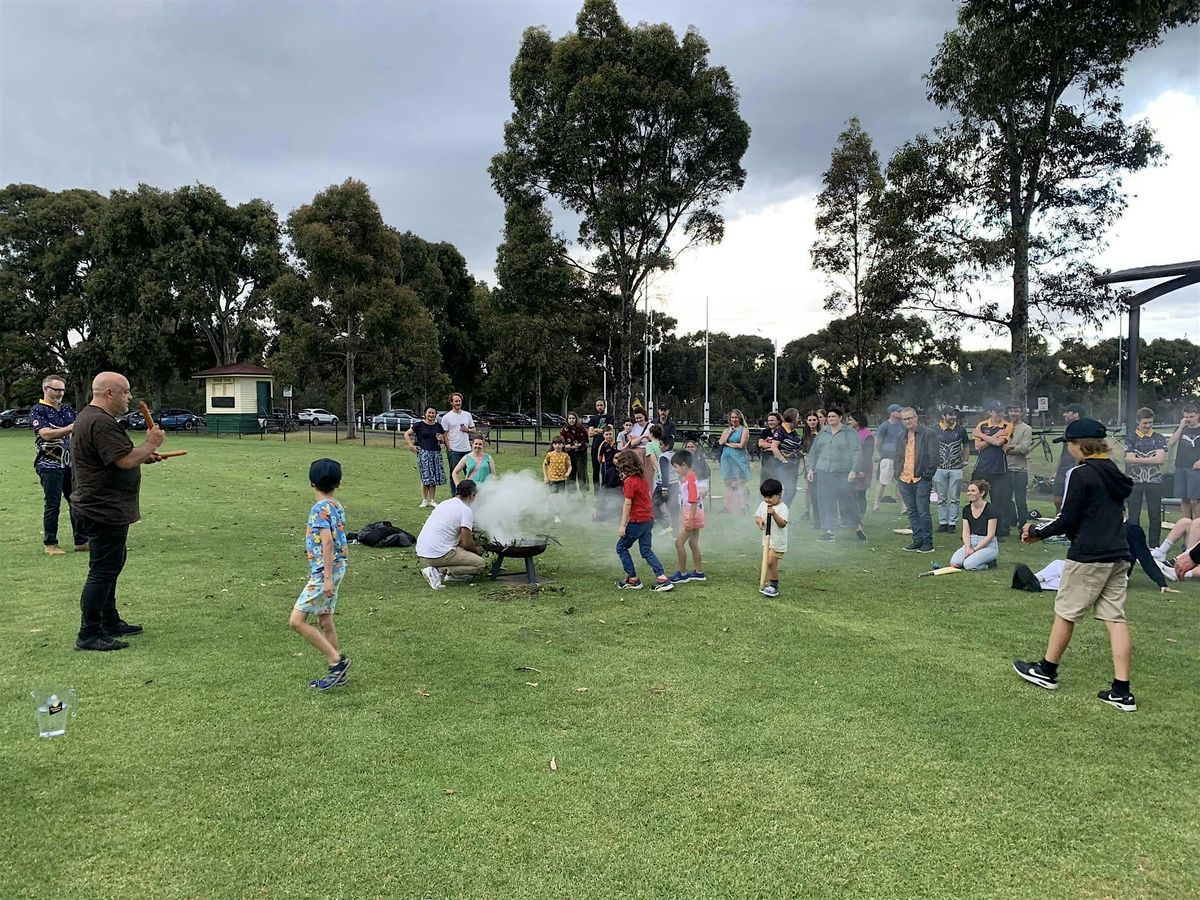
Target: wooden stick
172	453
146	414
762	572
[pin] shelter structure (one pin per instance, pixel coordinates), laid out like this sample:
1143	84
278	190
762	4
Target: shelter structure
1181	275
237	397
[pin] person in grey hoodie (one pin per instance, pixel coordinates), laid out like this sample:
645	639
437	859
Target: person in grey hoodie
835	461
1095	574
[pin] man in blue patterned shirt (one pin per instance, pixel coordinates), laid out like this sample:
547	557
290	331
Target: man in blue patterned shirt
52	422
1145	454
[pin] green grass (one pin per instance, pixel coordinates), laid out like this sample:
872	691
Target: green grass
863	735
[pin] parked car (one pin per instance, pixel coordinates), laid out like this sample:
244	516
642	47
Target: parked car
174	419
552	420
394	420
317	417
15	418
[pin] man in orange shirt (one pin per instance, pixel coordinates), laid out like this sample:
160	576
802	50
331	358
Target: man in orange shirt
916	460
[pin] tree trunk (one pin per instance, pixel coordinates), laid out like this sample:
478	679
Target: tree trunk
537	409
350	431
1019	322
386	396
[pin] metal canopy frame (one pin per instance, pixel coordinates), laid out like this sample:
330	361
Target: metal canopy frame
1182	275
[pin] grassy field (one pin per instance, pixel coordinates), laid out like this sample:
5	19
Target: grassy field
862	735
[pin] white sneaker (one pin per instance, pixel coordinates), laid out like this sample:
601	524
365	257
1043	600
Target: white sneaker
424	503
1168	571
1158	553
433	503
558	520
434	577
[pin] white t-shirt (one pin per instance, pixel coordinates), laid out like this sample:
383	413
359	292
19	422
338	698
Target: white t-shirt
459	426
778	535
440	533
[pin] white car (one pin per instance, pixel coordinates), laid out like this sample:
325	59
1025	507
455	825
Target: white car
317	417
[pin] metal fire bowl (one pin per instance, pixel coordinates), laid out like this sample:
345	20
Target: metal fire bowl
519	549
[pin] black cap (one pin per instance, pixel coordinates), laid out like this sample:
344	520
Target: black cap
1077	408
1082	429
325	474
950	411
995	405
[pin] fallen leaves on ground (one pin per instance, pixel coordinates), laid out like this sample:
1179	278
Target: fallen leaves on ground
421	692
553	764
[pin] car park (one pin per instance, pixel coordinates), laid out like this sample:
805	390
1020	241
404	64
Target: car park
317	417
553	420
174	419
15	418
394	420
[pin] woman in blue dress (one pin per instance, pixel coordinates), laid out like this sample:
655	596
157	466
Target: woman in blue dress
735	462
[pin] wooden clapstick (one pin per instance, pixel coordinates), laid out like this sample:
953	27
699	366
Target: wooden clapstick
170	453
146	414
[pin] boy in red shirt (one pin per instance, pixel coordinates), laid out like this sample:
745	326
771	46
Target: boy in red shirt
692	520
637	522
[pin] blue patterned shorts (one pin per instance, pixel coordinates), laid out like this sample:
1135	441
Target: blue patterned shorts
313	600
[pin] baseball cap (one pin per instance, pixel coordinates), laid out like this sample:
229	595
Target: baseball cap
325	474
1077	408
1081	429
995	405
895	407
950	411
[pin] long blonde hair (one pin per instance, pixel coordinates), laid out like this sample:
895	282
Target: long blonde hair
741	418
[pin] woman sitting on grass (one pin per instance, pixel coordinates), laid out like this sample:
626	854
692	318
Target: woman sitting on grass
979	549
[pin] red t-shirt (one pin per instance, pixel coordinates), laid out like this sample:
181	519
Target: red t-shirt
639	496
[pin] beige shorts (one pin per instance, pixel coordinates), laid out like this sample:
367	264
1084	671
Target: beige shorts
887	470
1084	585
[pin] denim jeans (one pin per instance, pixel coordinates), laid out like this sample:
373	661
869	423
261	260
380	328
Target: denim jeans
454	457
916	499
1019	479
638	533
56	484
106	558
837	500
948	484
977	560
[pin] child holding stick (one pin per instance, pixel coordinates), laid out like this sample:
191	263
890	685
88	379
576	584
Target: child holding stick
773	506
325	545
691	522
637	523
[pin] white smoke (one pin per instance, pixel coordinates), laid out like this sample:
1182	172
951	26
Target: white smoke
518	505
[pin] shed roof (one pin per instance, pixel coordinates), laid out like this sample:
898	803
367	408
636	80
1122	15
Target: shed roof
233	369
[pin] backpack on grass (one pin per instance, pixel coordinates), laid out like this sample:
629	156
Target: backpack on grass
382	534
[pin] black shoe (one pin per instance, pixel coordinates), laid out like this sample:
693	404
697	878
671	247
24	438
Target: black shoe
945	529
861	535
827	536
912	548
124	628
925	548
1035	674
888	500
100	643
1124	704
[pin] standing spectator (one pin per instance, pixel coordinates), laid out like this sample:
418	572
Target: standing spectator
52	422
666	422
624	435
822	418
700	467
789	453
812	427
1072	412
425	438
1017	449
954	449
575	442
862	426
556	472
835	461
886	441
766	446
107	477
640	432
610	479
478	465
916	461
735	462
1187	461
1145	454
596	424
458	424
991	436
1096	573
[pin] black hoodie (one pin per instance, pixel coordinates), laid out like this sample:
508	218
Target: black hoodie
1092	513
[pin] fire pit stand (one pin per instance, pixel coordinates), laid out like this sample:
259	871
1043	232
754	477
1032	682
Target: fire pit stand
525	549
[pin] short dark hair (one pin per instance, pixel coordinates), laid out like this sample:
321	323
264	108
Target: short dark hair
770	487
861	418
656	431
834	409
466	488
682	458
1191	407
557	439
1145	413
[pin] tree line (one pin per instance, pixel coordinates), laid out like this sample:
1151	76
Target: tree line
633	131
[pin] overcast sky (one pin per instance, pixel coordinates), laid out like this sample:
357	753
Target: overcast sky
280	100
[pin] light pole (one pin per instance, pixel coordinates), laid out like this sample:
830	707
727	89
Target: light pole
775	386
706	364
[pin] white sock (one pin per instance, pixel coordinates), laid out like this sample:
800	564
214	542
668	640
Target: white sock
1165	547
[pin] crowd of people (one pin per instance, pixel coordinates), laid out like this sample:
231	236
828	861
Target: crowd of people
640	476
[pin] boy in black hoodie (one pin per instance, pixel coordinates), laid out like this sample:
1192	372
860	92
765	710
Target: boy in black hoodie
1095	572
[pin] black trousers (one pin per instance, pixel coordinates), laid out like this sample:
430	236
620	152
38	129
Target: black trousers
106	558
578	477
594	453
1152	494
56	484
1020	488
